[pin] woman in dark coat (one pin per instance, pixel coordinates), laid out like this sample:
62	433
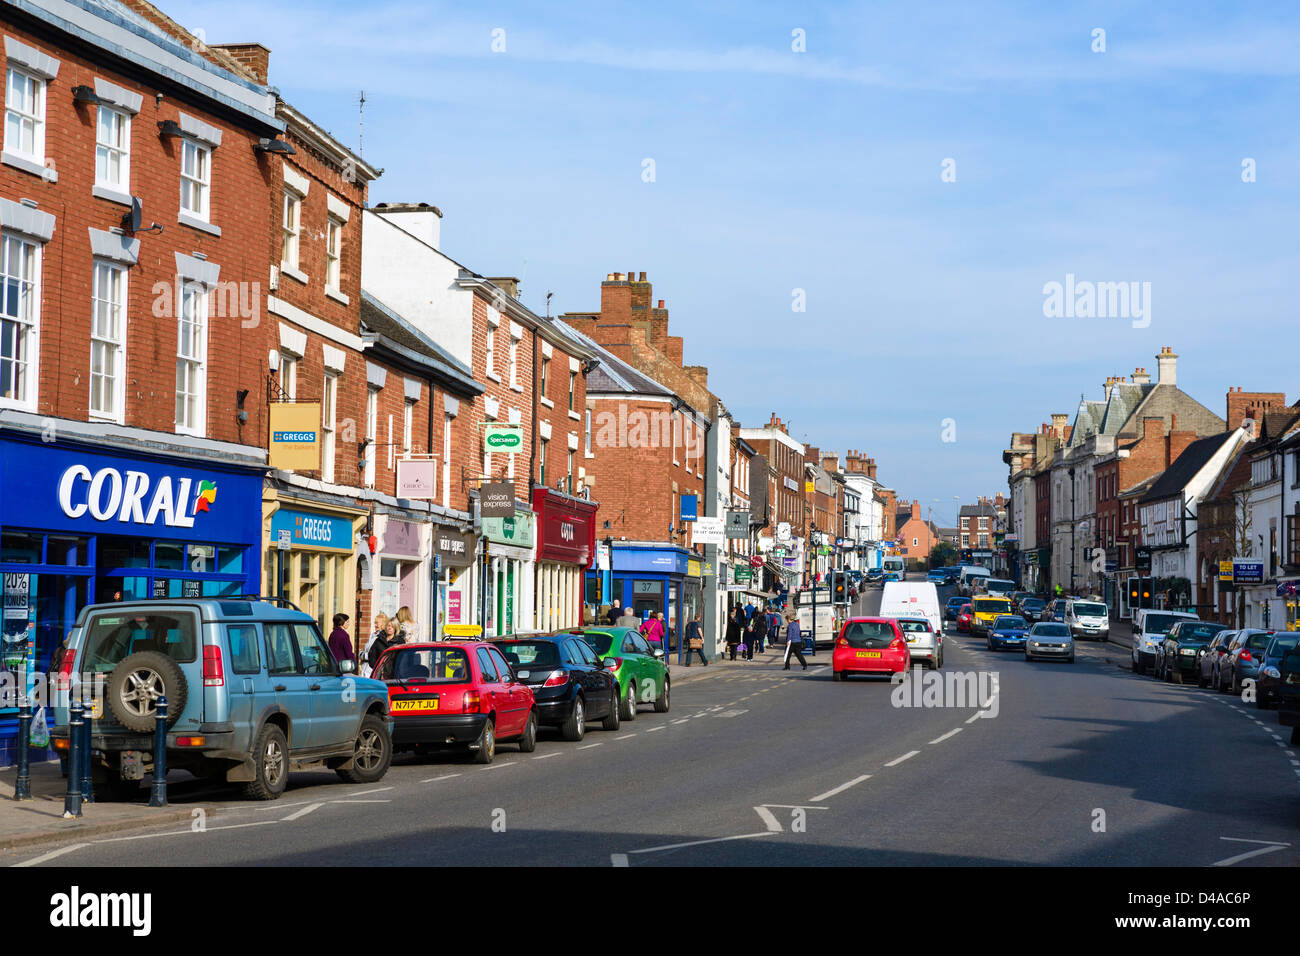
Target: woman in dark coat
735	631
757	634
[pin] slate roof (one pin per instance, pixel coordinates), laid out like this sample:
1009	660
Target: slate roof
977	511
612	374
1175	478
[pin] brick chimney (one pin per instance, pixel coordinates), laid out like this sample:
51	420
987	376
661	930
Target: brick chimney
1058	424
1252	405
916	508
1153	428
251	56
1167	367
831	461
871	468
507	284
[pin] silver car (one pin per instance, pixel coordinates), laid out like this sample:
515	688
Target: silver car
922	641
1049	639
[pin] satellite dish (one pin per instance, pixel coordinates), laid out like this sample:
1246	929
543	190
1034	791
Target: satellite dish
131	221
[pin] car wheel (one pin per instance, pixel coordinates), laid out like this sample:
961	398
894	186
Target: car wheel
661	702
576	725
136	683
1219	684
629	702
611	719
837	675
1137	664
1177	677
371	754
270	765
487	743
1201	679
939	663
1105	638
528	742
1236	685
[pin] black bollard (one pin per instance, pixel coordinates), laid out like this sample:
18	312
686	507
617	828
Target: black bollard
23	787
72	801
158	793
87	785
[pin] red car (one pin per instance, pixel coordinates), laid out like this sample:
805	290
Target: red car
456	696
870	645
964	617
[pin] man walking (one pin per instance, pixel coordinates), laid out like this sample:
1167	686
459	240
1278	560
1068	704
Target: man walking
695	640
614	612
793	641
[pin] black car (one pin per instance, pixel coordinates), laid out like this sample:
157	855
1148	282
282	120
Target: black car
1270	670
570	684
1288	692
1179	654
874	576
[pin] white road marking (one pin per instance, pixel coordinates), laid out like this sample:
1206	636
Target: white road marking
497	766
684	719
653	729
148	836
588	746
445	776
303	812
840	789
549	756
678	846
769	819
975	716
951	733
793	806
362	801
36	861
907	756
1261	842
624	737
1247	855
362	793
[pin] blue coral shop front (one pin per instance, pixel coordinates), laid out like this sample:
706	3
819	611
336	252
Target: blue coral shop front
80	524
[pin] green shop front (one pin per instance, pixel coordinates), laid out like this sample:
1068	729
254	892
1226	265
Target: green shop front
508	568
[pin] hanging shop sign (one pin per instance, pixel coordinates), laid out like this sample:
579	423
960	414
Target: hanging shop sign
708	531
503	439
517	530
295	436
737	524
401	539
416	478
497	499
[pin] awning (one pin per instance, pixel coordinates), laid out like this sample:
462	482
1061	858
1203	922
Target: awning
779	569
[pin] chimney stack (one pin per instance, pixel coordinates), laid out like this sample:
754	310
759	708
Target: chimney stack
1140	377
1167	367
253	57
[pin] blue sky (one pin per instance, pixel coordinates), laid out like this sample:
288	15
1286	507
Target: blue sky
777	170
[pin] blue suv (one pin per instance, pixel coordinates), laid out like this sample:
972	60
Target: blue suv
252	691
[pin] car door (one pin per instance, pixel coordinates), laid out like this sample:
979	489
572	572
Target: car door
633	671
334	718
651	684
250	690
520	696
288	682
493	692
586	669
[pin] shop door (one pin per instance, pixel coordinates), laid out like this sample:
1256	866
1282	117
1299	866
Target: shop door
647	596
408	575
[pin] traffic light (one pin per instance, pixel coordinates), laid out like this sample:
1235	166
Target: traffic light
840	590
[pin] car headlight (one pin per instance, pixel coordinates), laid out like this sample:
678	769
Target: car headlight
1272	672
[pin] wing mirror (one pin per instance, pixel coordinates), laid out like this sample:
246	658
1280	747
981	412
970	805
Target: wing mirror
348	666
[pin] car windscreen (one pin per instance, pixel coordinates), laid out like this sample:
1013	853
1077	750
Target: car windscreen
1035	603
432	665
1199	632
112	636
956	602
1010	622
1051	630
1088	609
868	634
1279	646
1154	623
1258	642
992	606
600	642
529	654
914	625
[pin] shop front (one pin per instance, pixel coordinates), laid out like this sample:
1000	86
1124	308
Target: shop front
565	546
311	557
456	551
651	578
400	573
507	572
81	524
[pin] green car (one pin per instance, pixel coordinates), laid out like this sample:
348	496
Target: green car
642	675
1179	655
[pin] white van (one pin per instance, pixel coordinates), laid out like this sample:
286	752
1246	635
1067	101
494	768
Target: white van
1149	630
972	578
916	599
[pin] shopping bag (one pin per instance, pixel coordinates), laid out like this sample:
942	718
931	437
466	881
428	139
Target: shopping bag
40	732
742	649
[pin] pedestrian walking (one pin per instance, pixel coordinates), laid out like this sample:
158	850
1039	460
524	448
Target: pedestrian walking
341	640
735	630
628	619
695	640
652	629
614	613
793	641
757	633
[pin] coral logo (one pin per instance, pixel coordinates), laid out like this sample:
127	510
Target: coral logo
207	496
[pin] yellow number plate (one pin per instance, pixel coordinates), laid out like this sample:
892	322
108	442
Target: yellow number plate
868	653
413	706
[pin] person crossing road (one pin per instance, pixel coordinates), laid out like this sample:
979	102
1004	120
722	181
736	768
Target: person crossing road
793	641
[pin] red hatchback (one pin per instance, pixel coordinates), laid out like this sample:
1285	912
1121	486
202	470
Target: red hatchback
870	645
964	618
456	696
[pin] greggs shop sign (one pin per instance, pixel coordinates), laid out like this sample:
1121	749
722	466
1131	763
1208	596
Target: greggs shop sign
58	487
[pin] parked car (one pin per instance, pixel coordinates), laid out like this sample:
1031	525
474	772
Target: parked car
1243	659
1088	619
1049	639
1179	654
870	645
1008	630
253	693
460	696
987	610
570	685
924	642
1270	671
1207	666
1149	630
1288	693
1031	608
964	618
953	607
640	671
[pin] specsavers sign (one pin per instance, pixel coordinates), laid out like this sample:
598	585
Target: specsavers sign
507	439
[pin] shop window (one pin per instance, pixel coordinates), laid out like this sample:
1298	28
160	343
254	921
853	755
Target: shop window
203	557
169	556
115	552
67	550
18	547
229	560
